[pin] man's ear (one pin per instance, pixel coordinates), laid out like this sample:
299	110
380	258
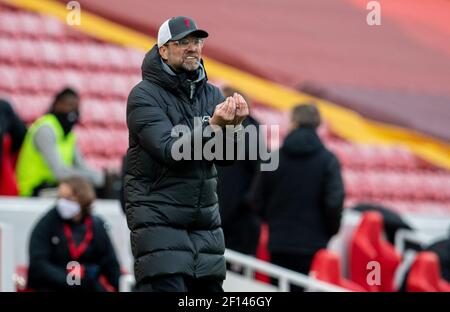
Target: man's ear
163	52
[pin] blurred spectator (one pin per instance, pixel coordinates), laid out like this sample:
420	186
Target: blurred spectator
12	133
302	200
240	224
49	153
69	232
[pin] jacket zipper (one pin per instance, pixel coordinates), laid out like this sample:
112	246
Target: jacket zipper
192	87
201	186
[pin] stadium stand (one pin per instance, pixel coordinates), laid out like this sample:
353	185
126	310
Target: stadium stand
104	73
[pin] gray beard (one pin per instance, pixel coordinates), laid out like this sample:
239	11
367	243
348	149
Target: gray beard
190	68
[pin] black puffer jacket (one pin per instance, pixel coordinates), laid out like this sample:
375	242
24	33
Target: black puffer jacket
171	206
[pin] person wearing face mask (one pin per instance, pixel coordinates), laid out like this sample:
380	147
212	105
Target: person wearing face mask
49	153
69	232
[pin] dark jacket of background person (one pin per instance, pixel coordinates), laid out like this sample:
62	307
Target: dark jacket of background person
171	206
240	223
10	125
302	200
49	255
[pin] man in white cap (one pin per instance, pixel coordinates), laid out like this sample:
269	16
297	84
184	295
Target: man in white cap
171	204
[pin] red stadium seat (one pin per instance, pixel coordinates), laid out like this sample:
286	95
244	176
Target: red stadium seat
96	84
367	246
118	85
8	50
30	107
95	56
53	80
52	53
53	28
117	57
75	79
102	142
326	267
93	113
9	79
425	274
9	23
135	58
73	55
34	81
30	25
28	52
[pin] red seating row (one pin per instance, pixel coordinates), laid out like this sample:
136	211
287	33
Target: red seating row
96	112
370	156
101	142
390	185
102	163
50	81
22	24
30	107
400	206
84	55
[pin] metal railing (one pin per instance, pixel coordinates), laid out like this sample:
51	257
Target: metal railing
285	277
252	265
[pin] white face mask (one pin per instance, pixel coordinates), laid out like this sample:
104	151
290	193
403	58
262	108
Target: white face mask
67	209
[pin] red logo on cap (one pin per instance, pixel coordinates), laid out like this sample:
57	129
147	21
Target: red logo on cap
187	23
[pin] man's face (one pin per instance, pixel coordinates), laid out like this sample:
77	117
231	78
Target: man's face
183	54
68	104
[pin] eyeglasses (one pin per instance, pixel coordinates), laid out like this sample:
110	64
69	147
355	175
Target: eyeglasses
184	43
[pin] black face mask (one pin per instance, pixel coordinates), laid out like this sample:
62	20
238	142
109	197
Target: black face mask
67	120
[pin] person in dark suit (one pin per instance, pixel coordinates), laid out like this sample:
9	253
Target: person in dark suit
302	199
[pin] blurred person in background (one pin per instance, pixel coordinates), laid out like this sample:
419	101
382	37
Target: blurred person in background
240	223
69	232
302	200
49	153
12	134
